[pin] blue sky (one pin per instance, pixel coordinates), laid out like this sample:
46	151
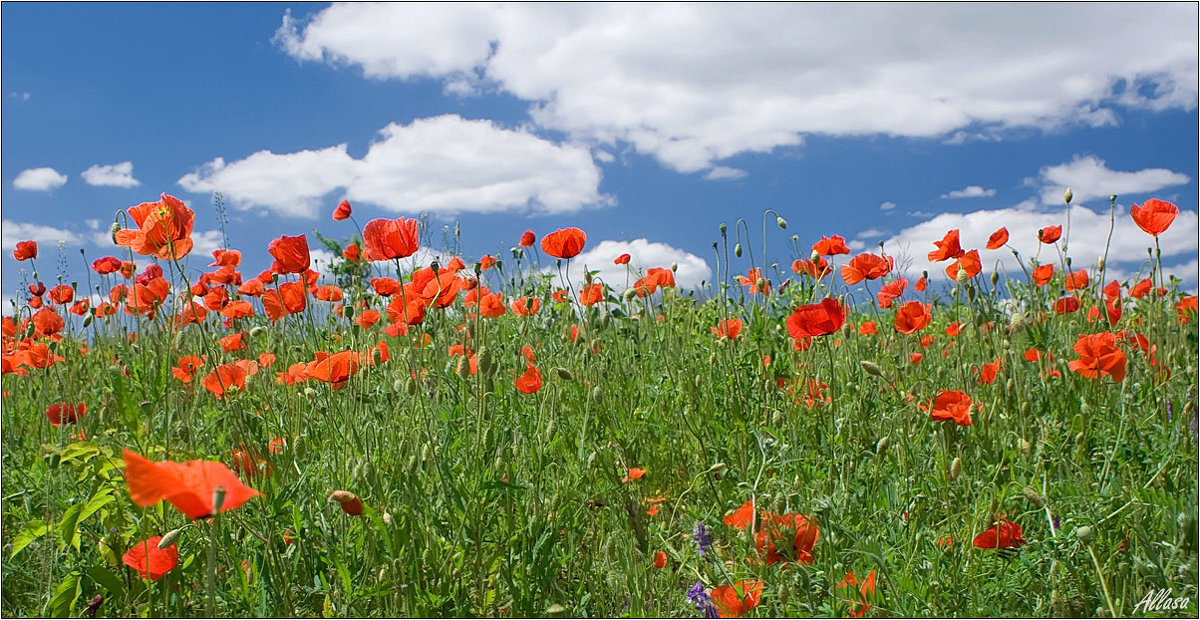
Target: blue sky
647	126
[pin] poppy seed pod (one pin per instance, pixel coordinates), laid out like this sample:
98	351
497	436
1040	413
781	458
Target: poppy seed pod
955	468
563	373
597	395
871	368
882	445
1084	534
218	499
1067	196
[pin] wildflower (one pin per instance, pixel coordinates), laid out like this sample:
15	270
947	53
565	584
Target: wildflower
564	242
702	601
351	253
592	294
334	369
987	372
866	266
700	537
655	277
61	294
65	413
1066	305
816	270
997	239
830	246
967	263
890	291
734	601
634	474
948	248
1076	280
149	561
741	517
860	602
291	254
952	405
660	559
1154	216
755	281
288	298
188	486
729	328
1099	356
621	260
1050	234
164	229
1004	535
350	503
529	382
1186	307
912	317
820	319
25	250
342	211
526	306
106	265
385	239
786	537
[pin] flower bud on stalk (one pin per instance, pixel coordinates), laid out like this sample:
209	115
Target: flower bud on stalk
955	468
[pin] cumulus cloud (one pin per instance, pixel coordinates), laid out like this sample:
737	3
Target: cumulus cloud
644	254
970	191
115	175
446	164
39	179
887	206
1088	234
692	84
1089	177
12	232
724	173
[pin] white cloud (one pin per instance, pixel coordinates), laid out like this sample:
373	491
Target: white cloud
603	155
870	233
444	164
203	244
46	236
970	191
115	175
1089	177
644	254
39	179
321	259
887	206
1088	234
724	173
692	84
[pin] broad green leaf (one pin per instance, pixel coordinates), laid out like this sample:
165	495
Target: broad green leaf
64	597
33	531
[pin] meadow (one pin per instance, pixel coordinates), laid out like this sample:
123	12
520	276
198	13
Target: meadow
486	438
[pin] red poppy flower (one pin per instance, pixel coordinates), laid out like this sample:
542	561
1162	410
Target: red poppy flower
291	254
947	248
149	561
729	328
987	372
997	239
866	266
734	601
1066	305
25	250
289	298
1187	306
47	322
564	242
334	369
385	239
786	537
1004	535
951	405
890	291
226	258
164	229
342	211
1099	356
592	294
529	382
867	329
1050	234
634	474
660	559
487	262
621	260
188	486
860	600
912	317
816	270
232	342
367	318
968	262
351	504
106	265
1154	216
741	517
227	377
65	413
830	246
1042	274
1076	280
820	319
526	306
921	284
186	367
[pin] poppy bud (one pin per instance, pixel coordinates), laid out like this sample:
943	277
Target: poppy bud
1084	534
722	228
348	311
398	385
1033	497
1080	438
170	539
1100	263
995	278
674	266
463	367
1010	385
737	250
629	294
1067	196
387	518
112	232
349	502
955	468
871	368
780	222
882	445
256	330
563	373
597	395
87	320
310	393
218	498
550	429
411	386
1025	447
970	289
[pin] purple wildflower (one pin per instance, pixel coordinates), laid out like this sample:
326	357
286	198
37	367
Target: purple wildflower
700	537
700	598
